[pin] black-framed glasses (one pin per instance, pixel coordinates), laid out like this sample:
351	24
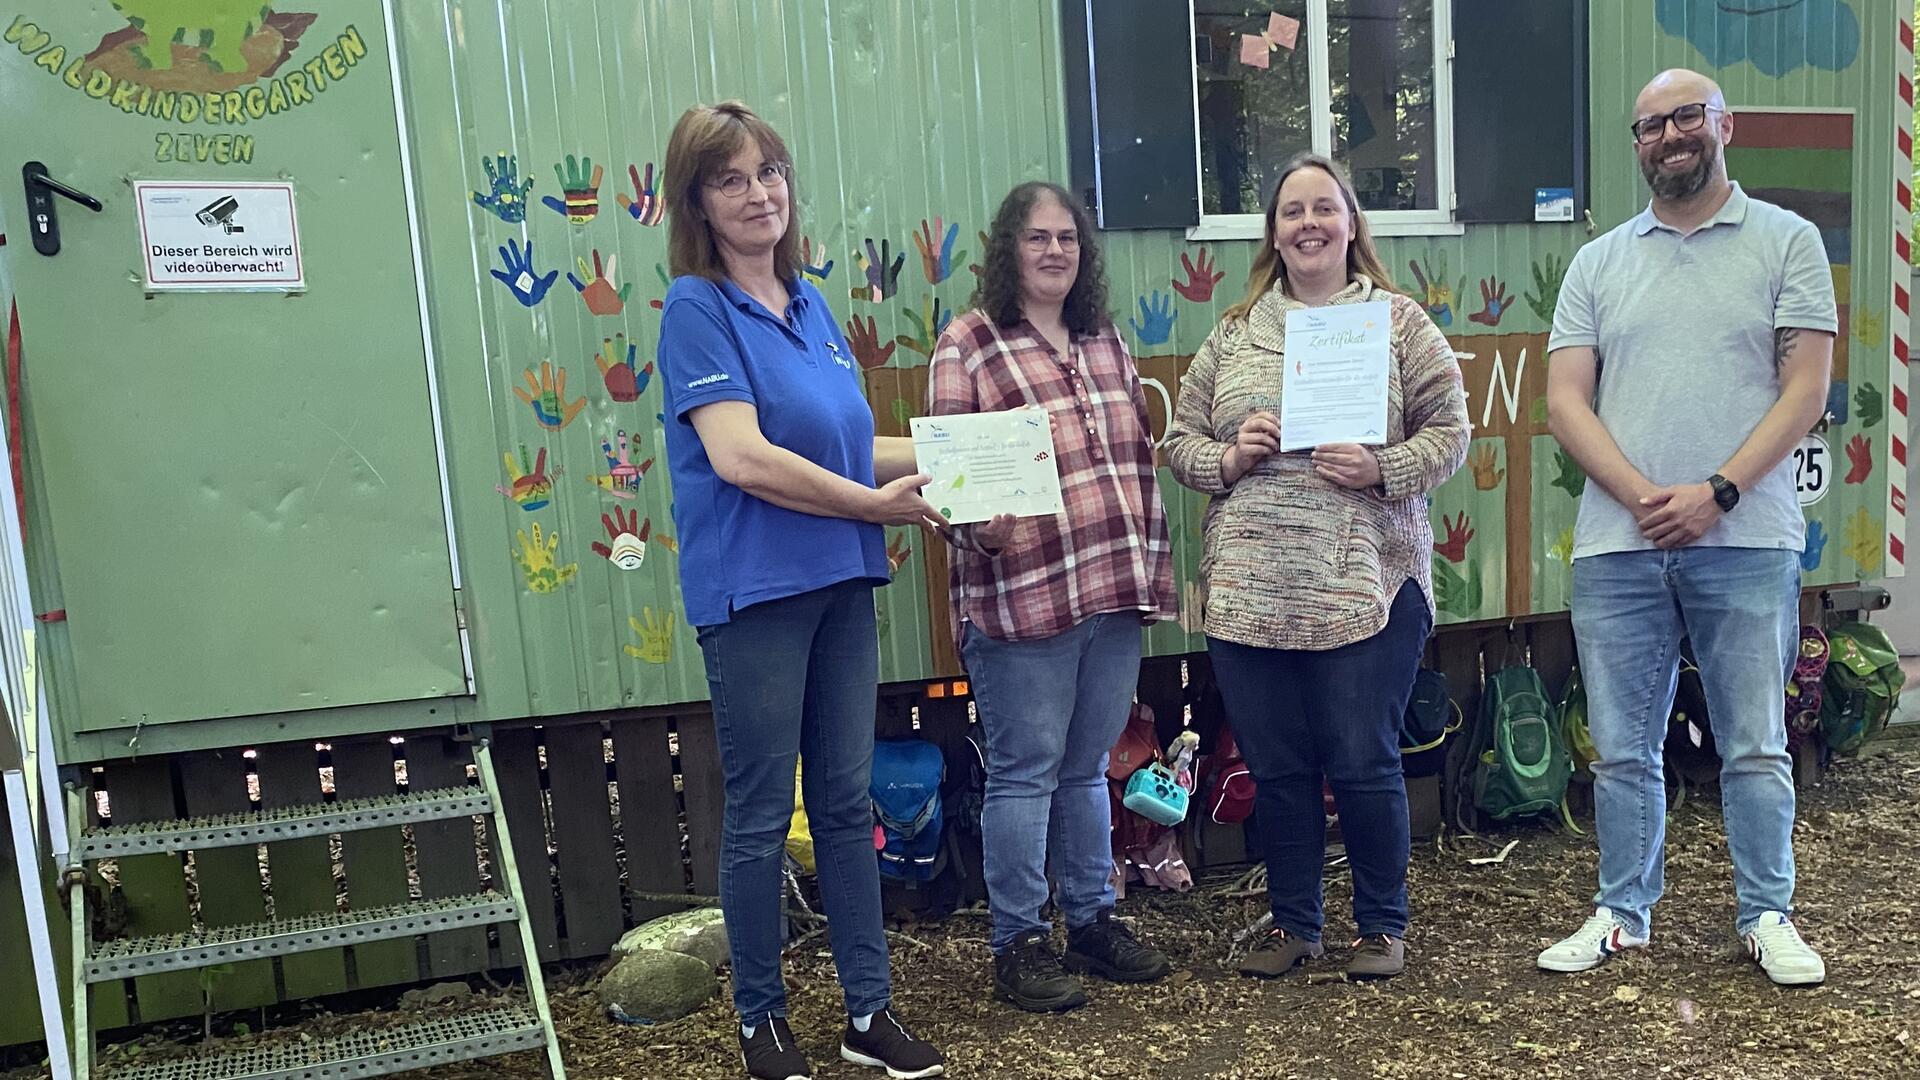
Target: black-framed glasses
1651	129
772	174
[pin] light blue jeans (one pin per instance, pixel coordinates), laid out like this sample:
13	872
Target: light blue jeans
1051	709
1740	607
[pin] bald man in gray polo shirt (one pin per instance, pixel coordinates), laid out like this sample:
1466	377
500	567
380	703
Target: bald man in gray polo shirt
1691	351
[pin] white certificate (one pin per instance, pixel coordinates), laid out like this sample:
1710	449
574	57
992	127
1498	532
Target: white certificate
984	464
1336	379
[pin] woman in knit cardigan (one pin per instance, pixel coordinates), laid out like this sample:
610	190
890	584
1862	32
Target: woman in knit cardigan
1319	589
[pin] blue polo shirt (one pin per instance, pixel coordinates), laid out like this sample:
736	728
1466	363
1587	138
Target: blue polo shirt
719	344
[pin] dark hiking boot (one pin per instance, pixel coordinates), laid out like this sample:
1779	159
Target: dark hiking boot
1108	948
1030	976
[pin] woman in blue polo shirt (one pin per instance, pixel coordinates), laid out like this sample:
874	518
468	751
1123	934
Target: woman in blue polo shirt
780	491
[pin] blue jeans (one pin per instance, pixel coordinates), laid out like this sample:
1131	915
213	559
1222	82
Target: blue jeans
798	676
1741	608
1300	715
1051	709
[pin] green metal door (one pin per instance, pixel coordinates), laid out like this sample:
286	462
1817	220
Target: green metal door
242	491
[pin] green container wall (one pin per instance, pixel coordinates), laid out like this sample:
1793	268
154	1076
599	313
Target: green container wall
899	111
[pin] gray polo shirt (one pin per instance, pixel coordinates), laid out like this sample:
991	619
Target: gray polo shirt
1684	328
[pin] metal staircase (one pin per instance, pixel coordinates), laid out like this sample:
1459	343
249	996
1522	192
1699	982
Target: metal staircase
391	1048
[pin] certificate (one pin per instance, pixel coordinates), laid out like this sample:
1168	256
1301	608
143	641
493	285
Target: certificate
1336	376
984	464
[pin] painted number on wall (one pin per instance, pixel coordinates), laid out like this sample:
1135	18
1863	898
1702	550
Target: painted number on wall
1812	469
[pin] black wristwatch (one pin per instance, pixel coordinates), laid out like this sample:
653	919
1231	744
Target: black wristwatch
1725	492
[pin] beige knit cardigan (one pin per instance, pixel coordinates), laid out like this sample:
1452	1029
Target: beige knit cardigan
1293	561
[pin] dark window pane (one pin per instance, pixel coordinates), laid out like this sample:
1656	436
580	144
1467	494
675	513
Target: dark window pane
1251	119
1380	56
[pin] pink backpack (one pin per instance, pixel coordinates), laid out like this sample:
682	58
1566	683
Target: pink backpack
1230	783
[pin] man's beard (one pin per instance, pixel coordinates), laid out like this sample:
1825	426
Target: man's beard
1681	185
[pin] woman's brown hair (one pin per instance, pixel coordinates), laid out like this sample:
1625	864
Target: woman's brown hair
998	293
704	142
1268	269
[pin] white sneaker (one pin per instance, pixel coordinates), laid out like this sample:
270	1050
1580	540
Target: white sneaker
1590	946
1787	960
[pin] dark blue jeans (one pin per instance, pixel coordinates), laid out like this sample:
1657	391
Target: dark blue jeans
1300	715
797	677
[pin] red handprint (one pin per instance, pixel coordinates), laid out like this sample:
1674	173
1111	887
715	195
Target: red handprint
1201	277
1860	459
1494	302
1459	531
864	338
629	536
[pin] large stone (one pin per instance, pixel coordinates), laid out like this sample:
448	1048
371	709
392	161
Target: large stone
699	932
655	985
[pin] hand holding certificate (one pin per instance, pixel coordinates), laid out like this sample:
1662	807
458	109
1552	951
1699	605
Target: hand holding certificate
1336	377
987	464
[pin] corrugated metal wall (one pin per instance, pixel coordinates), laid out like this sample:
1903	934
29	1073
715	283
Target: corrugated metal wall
899	113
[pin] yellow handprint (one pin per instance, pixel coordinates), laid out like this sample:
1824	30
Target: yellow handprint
1562	548
1485	476
656	637
1870	326
536	558
1863	541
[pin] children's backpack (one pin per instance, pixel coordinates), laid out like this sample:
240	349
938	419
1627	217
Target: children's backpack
1524	765
1230	789
1431	714
905	790
1863	683
1573	723
1805	691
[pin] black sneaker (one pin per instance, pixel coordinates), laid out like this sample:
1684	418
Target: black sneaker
1108	948
1030	976
772	1054
886	1045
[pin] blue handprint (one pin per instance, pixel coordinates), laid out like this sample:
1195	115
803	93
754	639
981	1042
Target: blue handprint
1156	320
528	285
1816	547
507	198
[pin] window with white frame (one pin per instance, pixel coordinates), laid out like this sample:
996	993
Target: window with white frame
1365	82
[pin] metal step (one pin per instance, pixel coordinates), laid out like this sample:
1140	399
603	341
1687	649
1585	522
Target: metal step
128	957
374	1050
286	823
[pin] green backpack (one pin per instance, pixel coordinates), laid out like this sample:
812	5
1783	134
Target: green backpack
1524	765
1863	684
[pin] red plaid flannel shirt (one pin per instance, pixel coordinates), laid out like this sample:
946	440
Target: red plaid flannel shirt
1109	551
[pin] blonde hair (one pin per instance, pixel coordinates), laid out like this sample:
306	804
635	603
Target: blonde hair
704	142
1268	268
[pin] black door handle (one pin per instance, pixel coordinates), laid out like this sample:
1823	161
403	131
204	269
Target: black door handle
43	219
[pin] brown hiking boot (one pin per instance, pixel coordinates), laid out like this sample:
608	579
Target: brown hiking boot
1377	956
1278	953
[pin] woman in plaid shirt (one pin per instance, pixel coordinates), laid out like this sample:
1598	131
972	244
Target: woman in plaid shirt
1048	610
1317	567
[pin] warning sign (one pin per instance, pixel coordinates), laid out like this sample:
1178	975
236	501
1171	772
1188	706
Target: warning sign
234	235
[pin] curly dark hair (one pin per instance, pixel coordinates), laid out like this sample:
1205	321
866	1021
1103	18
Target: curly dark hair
998	293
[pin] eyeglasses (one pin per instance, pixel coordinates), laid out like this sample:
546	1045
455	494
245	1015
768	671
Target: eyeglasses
1038	242
1651	129
771	175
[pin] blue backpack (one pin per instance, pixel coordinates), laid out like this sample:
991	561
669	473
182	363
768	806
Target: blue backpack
905	790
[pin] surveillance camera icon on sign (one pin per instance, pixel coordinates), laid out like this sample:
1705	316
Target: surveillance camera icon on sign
218	214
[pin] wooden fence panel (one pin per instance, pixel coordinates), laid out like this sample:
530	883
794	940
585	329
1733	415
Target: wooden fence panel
516	761
703	791
445	855
300	871
215	782
649	814
376	860
583	837
155	887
